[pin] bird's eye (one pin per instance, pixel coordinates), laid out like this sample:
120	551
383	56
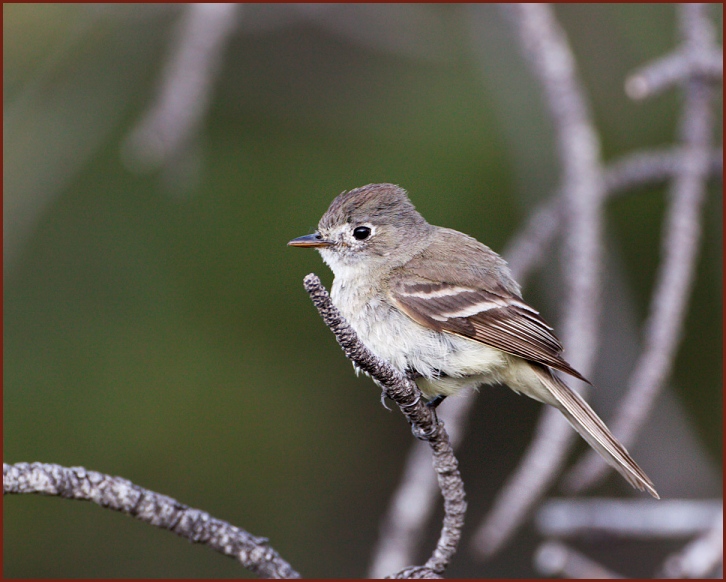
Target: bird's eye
361	232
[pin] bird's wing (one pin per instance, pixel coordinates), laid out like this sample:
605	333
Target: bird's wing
494	317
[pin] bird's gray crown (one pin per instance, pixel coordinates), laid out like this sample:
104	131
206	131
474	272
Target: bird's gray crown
379	204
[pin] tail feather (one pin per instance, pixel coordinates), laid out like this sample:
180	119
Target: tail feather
593	430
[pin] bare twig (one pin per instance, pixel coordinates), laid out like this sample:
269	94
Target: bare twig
184	93
659	76
546	48
681	238
651	166
412	504
407	396
253	552
632	518
699	59
528	248
700	557
558	559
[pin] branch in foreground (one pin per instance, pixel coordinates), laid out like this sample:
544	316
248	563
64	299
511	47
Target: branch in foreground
407	396
412	504
253	552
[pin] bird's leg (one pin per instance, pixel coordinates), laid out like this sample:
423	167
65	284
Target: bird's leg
435	401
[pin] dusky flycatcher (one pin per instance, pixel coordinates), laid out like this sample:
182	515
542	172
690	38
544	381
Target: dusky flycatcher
441	306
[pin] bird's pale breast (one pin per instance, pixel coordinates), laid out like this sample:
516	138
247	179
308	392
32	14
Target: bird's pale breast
446	362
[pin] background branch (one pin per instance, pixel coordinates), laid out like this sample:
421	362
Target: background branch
559	560
702	556
547	51
169	127
253	552
527	249
632	518
676	272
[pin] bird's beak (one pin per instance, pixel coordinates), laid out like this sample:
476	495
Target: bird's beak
314	240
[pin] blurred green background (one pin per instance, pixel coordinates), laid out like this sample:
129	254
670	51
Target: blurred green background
155	324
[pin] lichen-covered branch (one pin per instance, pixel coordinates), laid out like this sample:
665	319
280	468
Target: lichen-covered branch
407	396
253	552
413	502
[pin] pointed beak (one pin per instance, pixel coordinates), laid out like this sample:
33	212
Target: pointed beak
314	240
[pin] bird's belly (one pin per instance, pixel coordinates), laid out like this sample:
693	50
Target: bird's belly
445	361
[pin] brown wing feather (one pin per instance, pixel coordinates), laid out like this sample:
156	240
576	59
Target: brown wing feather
504	322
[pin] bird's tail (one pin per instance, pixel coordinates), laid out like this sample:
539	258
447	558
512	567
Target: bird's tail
593	430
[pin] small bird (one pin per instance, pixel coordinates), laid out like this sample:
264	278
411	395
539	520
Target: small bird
443	308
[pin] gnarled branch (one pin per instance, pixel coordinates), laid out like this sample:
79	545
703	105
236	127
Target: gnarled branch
407	396
253	552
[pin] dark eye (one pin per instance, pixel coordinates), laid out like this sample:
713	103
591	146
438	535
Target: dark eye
361	232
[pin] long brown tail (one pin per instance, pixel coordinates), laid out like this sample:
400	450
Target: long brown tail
593	430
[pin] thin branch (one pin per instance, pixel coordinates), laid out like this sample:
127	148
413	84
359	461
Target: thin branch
700	557
407	396
528	248
547	50
652	166
676	272
412	504
415	573
559	560
698	58
184	94
632	518
197	526
663	74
